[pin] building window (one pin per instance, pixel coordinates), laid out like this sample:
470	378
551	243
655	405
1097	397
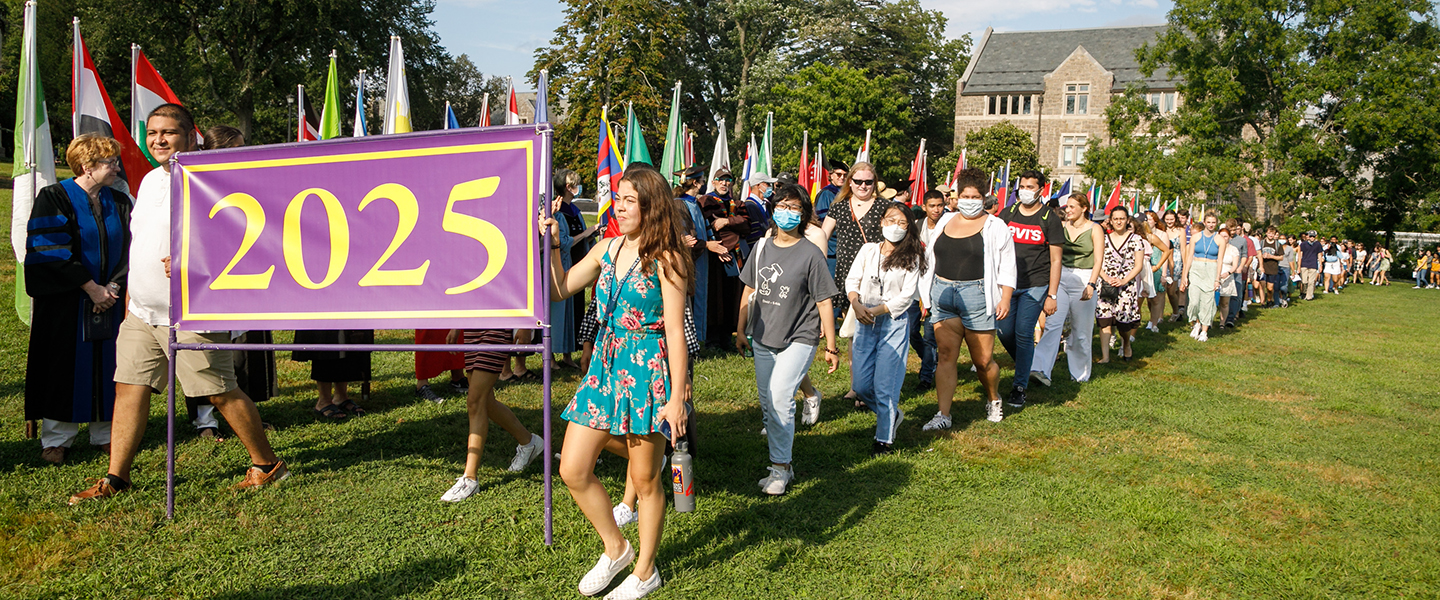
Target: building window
1009	105
1164	102
1077	98
1072	150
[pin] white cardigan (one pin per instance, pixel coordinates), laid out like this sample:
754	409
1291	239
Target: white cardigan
895	288
999	260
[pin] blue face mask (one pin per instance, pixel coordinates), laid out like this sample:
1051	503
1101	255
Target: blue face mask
769	192
787	219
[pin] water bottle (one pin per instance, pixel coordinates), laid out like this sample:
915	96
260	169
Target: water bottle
682	477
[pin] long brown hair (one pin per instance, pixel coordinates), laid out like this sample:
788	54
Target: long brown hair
661	233
908	253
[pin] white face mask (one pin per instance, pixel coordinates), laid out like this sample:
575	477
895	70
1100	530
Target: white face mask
970	206
894	233
1027	196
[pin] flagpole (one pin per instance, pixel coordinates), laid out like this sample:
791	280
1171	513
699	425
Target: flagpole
76	58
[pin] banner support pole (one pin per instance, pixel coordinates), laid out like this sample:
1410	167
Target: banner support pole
170	431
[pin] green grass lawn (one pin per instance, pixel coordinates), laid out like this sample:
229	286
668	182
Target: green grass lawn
1293	458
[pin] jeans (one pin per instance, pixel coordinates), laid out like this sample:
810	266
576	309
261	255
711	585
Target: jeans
777	376
922	339
1017	330
1237	301
877	361
1282	287
1082	326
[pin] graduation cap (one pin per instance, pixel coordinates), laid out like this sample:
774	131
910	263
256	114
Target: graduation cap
835	165
694	172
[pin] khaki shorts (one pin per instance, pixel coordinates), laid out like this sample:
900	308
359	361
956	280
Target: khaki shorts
141	359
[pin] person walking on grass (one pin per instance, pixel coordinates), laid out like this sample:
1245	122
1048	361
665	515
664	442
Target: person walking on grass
142	359
789	282
637	383
1175	234
1122	263
881	285
1038	239
1157	259
968	279
1202	276
1382	266
1079	282
1271	253
483	370
1333	266
853	221
1310	250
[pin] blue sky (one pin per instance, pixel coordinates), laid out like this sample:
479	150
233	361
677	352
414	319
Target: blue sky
501	35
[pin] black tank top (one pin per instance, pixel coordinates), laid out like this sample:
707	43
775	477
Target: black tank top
960	259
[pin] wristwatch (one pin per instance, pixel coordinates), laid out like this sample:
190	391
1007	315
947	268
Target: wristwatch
1051	296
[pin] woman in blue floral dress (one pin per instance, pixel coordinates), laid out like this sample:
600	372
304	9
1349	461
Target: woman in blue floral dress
637	384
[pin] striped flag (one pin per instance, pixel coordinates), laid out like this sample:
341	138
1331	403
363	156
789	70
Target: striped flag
92	112
804	175
397	94
762	158
485	111
671	160
147	91
609	167
864	154
330	112
307	127
819	177
747	168
34	154
359	124
689	148
512	106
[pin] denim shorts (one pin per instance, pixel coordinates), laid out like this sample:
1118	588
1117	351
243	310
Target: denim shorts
961	299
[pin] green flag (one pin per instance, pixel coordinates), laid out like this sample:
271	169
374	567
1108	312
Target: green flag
34	155
762	160
635	149
330	114
673	160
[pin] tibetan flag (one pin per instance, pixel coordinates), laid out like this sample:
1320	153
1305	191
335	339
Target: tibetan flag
450	121
635	148
672	159
330	112
147	91
397	94
720	158
608	169
485	111
1114	197
307	127
360	107
762	158
542	104
512	106
864	154
34	154
93	113
804	171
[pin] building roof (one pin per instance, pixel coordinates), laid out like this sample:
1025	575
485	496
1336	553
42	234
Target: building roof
1018	61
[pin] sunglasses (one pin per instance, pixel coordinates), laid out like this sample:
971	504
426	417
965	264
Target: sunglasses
863	181
725	180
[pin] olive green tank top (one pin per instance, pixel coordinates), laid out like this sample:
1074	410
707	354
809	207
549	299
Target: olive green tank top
1078	253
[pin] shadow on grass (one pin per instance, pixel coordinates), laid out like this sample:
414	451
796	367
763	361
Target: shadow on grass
409	579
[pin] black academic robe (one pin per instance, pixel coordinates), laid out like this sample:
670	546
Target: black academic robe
67	378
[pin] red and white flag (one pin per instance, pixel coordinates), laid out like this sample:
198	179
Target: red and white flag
918	174
93	113
512	107
307	127
147	91
959	166
485	111
805	171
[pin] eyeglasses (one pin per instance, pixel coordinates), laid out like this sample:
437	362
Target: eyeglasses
114	162
793	206
863	181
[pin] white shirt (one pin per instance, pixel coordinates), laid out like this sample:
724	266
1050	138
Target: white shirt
150	242
895	288
928	233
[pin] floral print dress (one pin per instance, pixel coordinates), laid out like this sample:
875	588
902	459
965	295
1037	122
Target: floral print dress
1118	262
629	378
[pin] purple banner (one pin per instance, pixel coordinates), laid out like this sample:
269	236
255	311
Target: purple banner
431	230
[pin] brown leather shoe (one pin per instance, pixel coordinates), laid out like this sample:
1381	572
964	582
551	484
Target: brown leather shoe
255	478
102	489
53	454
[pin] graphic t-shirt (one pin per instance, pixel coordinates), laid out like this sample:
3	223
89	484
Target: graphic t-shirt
788	282
1034	235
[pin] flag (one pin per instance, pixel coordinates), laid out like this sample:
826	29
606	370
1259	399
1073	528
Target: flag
307	128
360	106
864	154
917	175
1002	195
512	106
34	154
1045	193
330	112
147	91
93	113
819	177
1064	190
450	121
747	168
955	177
542	104
635	149
1174	204
689	147
720	158
672	161
762	158
1114	197
608	169
804	171
397	94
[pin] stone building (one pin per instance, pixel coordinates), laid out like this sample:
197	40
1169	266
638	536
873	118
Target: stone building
1055	85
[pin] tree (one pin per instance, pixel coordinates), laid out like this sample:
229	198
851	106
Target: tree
991	147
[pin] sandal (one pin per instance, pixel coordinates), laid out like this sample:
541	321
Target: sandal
529	375
331	412
351	406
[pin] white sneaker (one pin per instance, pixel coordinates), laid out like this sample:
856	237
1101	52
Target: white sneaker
810	413
605	571
634	589
774	485
895	426
1195	331
939	421
1132	340
1040	377
995	413
624	515
972	369
526	454
1204	336
464	487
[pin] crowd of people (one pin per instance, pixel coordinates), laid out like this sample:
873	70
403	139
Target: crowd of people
766	271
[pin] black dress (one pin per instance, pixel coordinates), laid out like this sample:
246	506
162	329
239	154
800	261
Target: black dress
338	365
852	233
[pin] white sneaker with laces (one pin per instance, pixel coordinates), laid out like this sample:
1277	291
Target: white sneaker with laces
1195	331
464	487
634	589
605	571
995	413
779	478
810	414
624	515
939	421
1040	377
1204	336
526	454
